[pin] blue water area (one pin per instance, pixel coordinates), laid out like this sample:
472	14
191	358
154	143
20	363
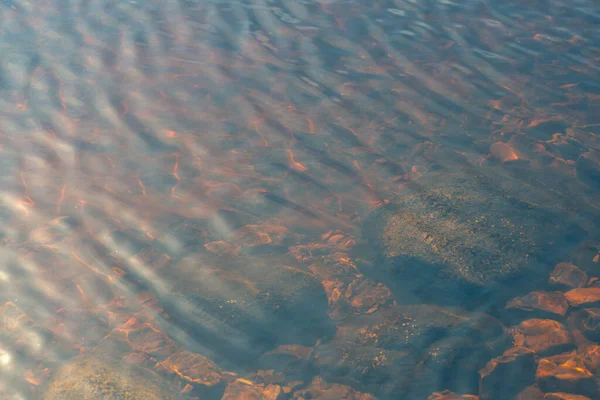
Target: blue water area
324	199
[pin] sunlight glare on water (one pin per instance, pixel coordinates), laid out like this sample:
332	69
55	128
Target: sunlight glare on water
345	199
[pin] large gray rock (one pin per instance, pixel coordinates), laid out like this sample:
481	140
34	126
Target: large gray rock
456	235
91	377
240	308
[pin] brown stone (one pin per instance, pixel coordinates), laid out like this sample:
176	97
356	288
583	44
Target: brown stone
583	296
565	396
321	390
243	389
532	392
590	354
568	276
544	303
544	336
505	376
566	373
448	395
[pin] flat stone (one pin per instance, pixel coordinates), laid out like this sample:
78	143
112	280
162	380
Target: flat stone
243	389
566	373
565	396
321	390
544	336
568	276
532	392
544	303
449	395
505	376
583	296
192	368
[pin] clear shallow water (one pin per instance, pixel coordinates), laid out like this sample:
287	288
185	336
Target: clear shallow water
144	141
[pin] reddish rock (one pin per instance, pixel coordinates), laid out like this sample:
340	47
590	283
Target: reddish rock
321	390
544	336
566	373
192	368
565	396
505	376
568	276
448	395
583	296
532	392
590	355
243	389
541	303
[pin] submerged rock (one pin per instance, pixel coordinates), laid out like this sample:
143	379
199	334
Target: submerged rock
566	373
454	236
408	352
588	168
505	376
242	389
544	336
90	377
540	304
448	395
321	390
568	276
583	296
240	310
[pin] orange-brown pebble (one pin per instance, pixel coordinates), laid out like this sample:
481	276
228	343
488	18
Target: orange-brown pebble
565	396
543	336
545	302
505	376
583	296
503	152
566	373
319	389
568	276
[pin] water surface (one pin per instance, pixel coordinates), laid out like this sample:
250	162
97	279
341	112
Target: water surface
143	140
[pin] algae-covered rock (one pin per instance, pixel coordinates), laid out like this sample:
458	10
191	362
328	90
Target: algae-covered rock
239	310
457	233
90	377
